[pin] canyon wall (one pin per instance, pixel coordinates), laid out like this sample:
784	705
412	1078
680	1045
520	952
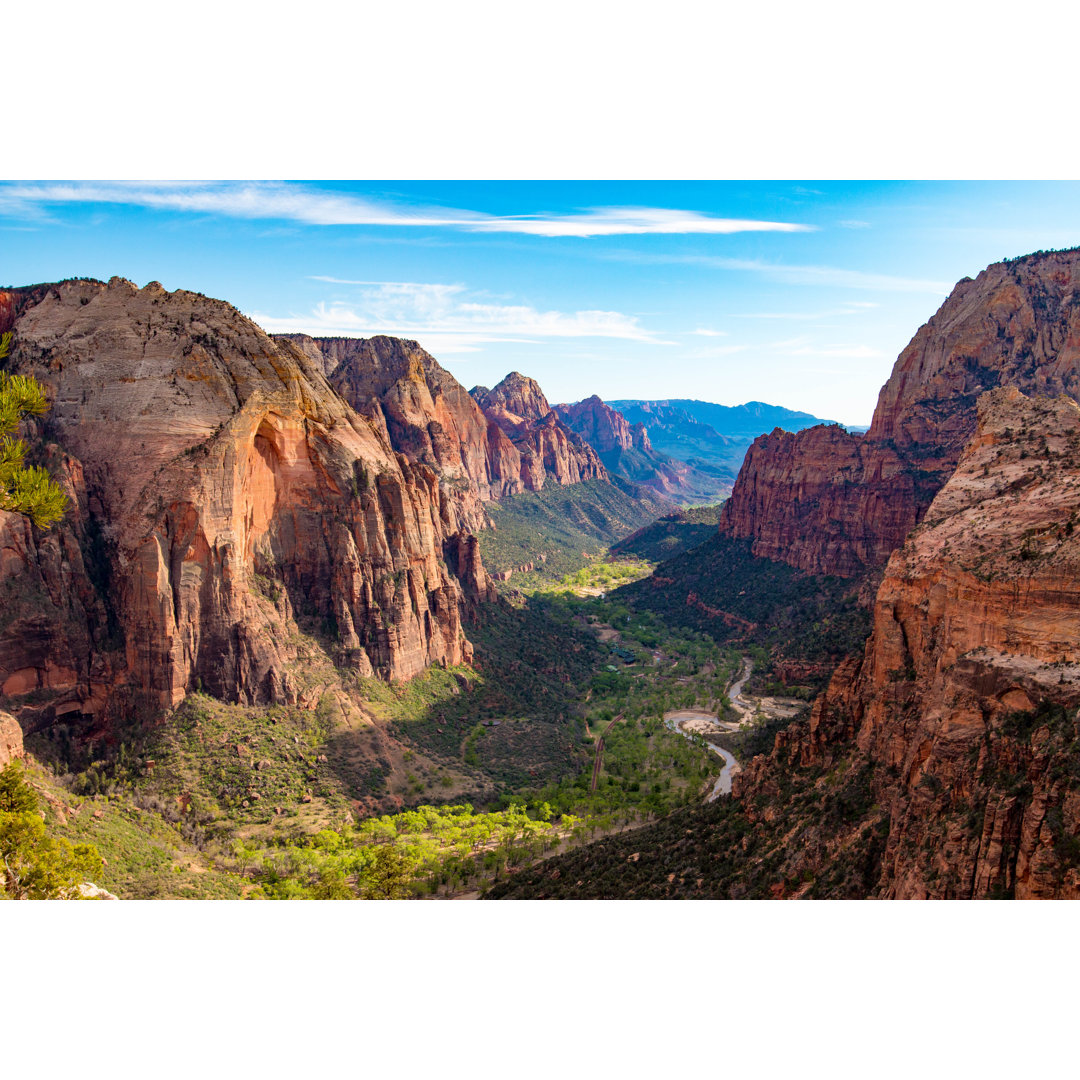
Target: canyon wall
548	450
223	495
831	502
963	707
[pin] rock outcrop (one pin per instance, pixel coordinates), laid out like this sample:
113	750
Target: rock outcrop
602	427
222	493
962	711
831	502
427	414
11	739
547	449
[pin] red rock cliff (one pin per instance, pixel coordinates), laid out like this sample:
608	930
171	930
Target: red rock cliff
222	490
827	501
603	427
547	449
964	703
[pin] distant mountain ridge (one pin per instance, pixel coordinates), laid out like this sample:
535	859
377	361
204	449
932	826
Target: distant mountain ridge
751	419
626	451
712	438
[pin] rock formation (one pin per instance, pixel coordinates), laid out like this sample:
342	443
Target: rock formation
547	448
222	491
963	706
427	414
602	427
831	502
11	739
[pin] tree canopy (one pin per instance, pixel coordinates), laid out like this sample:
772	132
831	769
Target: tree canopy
33	865
24	489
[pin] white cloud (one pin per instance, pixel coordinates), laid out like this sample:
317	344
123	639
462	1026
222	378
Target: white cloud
712	352
702	332
443	318
311	206
624	221
851	223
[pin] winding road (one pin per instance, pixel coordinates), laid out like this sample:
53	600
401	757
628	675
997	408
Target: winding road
677	719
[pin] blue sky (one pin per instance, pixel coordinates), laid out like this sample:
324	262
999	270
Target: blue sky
799	294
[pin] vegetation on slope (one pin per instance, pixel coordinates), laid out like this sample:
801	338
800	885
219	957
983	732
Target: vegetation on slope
671	535
35	865
568	526
722	589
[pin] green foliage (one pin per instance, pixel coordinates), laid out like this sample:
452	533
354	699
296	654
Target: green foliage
35	865
671	535
571	525
799	615
24	489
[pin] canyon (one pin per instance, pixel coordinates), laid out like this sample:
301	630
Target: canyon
962	707
941	760
241	503
222	493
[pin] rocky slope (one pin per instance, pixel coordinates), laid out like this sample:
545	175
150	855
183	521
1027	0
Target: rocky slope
831	502
428	415
222	494
626	451
962	710
547	448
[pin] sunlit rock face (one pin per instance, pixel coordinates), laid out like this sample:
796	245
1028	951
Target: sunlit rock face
976	626
830	502
547	450
221	487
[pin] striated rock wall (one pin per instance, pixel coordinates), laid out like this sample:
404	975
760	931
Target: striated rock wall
964	703
224	490
427	414
547	449
602	427
827	501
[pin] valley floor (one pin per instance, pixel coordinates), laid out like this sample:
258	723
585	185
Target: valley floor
440	788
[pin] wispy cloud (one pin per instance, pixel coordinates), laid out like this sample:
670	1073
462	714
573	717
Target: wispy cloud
791	274
312	206
444	318
703	332
852	223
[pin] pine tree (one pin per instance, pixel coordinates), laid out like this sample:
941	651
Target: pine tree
24	489
34	865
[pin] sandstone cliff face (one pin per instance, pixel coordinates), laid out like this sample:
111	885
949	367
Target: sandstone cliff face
223	490
964	704
428	415
602	427
517	395
547	449
830	502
